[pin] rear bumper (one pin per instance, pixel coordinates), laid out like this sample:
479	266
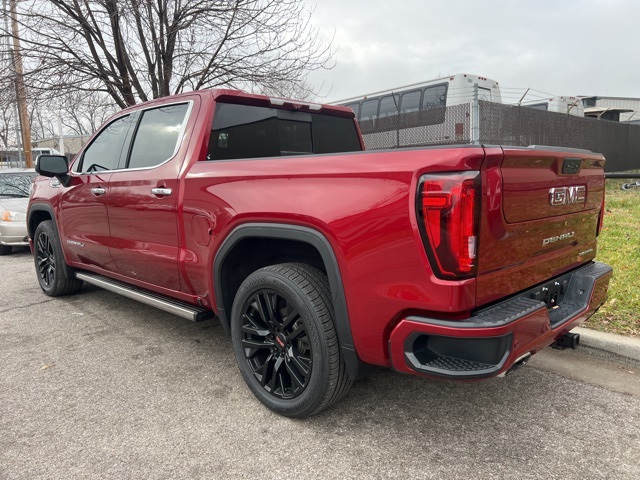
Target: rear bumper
494	339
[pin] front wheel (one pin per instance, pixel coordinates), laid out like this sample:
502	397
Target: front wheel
285	341
50	262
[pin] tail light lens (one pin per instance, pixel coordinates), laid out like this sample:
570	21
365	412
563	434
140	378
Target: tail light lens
448	213
601	216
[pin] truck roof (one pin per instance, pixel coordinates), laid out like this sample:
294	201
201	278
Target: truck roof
240	97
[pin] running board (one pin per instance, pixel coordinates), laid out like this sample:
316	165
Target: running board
180	309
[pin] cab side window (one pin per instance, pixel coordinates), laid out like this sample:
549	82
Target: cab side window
105	150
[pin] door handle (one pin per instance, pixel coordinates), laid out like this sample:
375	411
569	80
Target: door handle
161	192
97	191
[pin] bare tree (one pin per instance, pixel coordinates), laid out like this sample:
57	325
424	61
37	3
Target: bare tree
135	50
81	114
7	108
6	120
41	121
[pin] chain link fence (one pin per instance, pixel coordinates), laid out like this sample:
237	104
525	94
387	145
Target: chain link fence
489	123
523	126
434	126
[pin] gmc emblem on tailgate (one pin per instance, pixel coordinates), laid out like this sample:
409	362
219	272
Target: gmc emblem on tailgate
567	195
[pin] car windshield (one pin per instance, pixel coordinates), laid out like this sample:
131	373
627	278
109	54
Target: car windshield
15	185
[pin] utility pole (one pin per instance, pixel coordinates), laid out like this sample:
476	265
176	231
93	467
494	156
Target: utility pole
7	50
21	92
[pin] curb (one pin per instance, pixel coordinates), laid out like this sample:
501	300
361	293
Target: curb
628	347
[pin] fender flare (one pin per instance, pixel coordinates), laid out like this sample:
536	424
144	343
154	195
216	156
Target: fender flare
40	207
324	248
45	207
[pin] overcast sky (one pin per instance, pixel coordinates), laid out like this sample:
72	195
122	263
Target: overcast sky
562	47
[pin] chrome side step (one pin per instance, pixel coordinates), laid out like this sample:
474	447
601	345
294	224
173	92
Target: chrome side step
180	309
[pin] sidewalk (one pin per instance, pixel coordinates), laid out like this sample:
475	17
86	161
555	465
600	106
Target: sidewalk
627	347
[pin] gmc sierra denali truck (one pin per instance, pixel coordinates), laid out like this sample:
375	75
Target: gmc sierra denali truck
318	258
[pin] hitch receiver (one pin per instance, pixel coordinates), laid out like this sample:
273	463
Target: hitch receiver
568	340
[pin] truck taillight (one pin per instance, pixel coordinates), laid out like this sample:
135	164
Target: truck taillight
448	213
600	217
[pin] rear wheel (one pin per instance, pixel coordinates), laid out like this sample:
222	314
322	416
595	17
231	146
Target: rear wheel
50	263
5	250
285	342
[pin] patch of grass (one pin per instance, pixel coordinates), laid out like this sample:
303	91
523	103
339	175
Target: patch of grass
619	246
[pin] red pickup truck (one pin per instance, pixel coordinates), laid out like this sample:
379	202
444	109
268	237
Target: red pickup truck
320	259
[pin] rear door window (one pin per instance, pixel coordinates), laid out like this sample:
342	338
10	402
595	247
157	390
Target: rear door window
157	135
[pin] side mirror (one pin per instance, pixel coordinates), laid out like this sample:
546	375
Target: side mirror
53	166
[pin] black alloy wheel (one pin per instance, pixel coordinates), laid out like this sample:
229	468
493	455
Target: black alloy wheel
54	277
285	341
45	260
276	344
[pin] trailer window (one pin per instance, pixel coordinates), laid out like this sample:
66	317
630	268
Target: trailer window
435	96
539	106
388	106
369	109
410	101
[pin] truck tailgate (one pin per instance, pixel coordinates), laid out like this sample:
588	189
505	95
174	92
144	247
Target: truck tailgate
540	216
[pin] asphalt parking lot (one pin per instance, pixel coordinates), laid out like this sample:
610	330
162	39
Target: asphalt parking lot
98	386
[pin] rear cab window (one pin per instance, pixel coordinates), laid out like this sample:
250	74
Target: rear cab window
246	131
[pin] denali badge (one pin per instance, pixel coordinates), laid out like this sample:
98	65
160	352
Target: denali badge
564	236
567	195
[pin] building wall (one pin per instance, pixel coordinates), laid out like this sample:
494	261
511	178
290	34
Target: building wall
72	143
620	102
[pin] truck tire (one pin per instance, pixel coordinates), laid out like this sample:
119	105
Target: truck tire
285	341
50	263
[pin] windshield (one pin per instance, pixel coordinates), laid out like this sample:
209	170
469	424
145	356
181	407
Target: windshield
15	185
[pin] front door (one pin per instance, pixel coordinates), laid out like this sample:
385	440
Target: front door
83	214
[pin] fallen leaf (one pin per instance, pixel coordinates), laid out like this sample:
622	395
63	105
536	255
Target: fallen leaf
44	367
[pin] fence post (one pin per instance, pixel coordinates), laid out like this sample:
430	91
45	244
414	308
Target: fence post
475	117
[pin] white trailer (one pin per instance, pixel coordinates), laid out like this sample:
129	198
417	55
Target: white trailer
425	113
558	104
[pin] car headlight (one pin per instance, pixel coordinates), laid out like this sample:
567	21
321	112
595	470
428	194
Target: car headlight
8	216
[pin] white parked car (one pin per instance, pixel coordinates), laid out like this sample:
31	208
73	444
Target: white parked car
14	198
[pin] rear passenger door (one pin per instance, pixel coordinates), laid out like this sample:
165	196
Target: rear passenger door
143	198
